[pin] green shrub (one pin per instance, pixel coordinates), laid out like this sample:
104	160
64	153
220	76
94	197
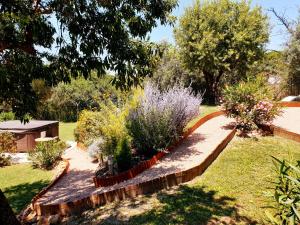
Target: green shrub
4	116
160	117
108	124
5	160
123	155
47	153
286	194
250	103
7	142
88	127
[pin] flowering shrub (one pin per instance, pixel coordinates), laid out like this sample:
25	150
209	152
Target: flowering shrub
47	153
250	104
160	117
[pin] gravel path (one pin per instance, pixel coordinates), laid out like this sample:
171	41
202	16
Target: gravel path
78	183
289	120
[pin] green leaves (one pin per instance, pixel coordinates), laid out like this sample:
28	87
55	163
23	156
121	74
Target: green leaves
222	37
286	194
77	37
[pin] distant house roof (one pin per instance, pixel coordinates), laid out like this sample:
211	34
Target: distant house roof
16	125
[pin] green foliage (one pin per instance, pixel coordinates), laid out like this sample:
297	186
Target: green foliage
109	123
171	71
221	37
47	153
250	103
4	116
286	194
69	99
293	58
88	127
122	155
4	160
92	35
7	142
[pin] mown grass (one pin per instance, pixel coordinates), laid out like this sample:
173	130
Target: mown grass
235	187
66	131
204	110
20	183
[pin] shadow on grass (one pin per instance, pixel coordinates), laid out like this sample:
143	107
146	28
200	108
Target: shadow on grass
20	195
188	205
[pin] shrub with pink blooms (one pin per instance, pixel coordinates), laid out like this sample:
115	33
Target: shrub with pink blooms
250	103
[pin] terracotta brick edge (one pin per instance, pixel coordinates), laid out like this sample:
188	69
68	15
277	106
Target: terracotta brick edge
131	191
141	167
26	211
290	104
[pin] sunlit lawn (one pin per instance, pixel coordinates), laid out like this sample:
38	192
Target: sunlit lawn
66	131
20	183
234	186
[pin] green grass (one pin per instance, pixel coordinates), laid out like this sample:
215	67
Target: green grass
204	110
235	186
20	183
66	131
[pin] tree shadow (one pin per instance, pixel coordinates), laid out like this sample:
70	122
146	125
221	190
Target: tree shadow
20	195
187	205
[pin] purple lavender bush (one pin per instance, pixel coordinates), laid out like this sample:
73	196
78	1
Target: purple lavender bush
160	117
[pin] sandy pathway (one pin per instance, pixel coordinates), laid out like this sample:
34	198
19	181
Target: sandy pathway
78	184
289	120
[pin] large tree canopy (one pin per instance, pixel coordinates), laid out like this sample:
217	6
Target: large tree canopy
221	37
52	39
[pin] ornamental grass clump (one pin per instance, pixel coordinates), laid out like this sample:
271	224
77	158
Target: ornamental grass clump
160	117
250	104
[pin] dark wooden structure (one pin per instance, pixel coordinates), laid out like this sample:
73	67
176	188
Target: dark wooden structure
26	134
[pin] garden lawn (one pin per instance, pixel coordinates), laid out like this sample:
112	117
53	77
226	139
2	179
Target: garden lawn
21	182
234	187
66	131
204	110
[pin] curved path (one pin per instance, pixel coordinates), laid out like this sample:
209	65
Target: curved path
194	151
289	120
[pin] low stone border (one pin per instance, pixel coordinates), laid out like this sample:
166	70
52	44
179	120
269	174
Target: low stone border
141	167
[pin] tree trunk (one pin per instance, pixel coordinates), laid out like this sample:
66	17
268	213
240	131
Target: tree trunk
212	87
7	215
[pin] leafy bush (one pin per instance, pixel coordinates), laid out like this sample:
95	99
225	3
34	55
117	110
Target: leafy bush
286	194
88	127
123	155
69	99
109	124
4	116
7	142
5	160
250	103
160	117
47	153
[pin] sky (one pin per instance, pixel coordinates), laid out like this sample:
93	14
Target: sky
278	36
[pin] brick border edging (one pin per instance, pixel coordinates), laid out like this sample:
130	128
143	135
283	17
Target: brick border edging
26	211
147	164
290	104
134	190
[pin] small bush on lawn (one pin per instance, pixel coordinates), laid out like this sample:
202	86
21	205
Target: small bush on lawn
7	142
47	153
250	103
123	155
286	194
4	160
160	117
4	116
